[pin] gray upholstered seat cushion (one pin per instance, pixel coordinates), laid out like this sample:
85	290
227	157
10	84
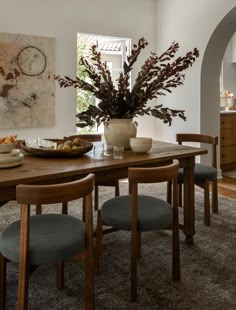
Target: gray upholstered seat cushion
201	173
53	237
153	213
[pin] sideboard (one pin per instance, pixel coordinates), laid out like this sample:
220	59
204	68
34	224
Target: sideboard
228	141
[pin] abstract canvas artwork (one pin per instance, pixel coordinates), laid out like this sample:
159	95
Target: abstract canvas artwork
27	87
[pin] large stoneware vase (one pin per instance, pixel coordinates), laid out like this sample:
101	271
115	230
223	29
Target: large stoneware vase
118	131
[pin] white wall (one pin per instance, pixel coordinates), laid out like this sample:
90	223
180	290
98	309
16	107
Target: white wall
62	20
229	69
191	23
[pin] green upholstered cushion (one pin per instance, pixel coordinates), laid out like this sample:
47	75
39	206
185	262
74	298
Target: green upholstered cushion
153	213
201	173
53	237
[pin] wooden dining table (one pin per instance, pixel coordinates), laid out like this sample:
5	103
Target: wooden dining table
44	170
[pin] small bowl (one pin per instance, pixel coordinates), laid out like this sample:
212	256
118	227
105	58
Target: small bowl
7	148
140	144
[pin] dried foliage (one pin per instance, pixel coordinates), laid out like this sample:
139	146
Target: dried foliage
158	76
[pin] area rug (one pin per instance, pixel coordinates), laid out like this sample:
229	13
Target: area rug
231	174
208	268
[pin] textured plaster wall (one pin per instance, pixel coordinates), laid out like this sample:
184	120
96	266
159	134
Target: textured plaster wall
62	20
192	23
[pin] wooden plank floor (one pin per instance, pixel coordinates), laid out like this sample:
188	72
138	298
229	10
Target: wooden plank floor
227	187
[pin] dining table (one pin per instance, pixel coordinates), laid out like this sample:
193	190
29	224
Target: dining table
49	170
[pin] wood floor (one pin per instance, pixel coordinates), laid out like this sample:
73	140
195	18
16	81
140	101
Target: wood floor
227	187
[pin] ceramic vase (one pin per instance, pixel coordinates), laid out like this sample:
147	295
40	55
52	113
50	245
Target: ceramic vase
231	102
118	131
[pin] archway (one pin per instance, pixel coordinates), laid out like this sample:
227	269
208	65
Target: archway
210	74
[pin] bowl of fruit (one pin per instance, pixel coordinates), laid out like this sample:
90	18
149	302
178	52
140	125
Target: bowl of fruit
7	144
66	147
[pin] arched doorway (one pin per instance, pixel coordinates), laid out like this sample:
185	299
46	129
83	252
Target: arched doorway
210	74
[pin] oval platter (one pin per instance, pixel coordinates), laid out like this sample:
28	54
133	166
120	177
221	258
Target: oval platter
85	147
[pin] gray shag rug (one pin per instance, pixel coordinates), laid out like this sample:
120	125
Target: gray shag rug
208	268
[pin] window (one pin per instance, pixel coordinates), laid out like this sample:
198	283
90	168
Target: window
114	52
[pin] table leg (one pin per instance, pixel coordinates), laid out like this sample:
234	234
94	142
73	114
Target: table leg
189	211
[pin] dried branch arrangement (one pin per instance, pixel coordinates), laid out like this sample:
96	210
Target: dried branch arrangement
157	77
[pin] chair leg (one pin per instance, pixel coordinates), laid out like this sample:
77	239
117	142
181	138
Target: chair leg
175	254
117	188
38	209
89	300
2	282
168	194
134	255
206	204
89	303
99	237
215	196
23	286
139	249
83	210
180	194
175	235
60	275
96	197
64	209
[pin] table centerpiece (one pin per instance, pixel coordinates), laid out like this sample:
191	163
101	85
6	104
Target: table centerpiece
157	77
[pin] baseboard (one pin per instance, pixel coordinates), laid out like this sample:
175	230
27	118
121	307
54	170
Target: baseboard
219	174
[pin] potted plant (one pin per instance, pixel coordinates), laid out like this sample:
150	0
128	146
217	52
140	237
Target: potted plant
157	76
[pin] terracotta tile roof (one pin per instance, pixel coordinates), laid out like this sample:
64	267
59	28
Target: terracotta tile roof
105	44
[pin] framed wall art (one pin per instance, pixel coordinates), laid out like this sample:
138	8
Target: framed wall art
27	87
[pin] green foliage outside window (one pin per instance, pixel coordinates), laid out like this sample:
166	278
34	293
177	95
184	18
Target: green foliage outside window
84	98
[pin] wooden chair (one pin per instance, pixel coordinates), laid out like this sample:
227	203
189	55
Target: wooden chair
115	183
203	174
24	241
96	138
139	213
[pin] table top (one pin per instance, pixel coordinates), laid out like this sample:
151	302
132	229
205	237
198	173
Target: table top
37	169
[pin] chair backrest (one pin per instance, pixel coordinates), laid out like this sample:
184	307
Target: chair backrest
153	175
200	138
54	193
38	195
88	137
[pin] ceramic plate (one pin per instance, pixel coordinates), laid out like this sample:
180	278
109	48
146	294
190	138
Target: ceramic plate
12	164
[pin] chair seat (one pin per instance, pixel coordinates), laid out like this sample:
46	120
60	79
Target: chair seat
153	213
201	173
48	241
